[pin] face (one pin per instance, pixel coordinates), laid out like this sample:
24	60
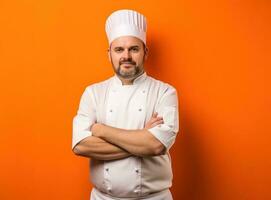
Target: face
127	55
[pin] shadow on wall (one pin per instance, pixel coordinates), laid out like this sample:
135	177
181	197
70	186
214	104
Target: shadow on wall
154	63
190	178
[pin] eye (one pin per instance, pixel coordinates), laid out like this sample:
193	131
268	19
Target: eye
118	50
134	49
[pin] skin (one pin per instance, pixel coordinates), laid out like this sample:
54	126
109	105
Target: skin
127	55
100	149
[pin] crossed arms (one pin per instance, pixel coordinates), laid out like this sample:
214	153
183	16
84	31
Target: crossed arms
109	143
102	142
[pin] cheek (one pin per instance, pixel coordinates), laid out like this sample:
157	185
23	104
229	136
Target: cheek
115	59
139	58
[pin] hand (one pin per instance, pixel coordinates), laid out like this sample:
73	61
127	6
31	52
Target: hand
154	121
96	129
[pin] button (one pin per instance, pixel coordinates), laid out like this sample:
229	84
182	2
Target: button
137	170
140	109
136	191
107	169
111	110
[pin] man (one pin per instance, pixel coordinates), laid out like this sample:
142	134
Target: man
127	123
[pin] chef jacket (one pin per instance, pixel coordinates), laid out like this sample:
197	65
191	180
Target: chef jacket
130	107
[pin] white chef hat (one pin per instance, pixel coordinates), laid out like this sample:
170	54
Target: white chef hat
126	23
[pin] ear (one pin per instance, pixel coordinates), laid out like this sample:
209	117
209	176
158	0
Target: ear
109	54
146	50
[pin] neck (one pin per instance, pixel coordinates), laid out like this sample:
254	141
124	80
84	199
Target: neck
126	81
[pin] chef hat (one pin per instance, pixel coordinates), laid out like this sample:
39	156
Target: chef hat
126	23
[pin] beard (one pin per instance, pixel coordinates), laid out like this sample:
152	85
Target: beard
133	71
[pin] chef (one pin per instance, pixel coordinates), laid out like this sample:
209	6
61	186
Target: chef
127	123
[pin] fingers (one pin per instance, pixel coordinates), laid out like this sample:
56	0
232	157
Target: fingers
157	123
155	118
155	114
152	120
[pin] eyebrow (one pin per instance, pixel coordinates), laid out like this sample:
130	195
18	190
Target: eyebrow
131	47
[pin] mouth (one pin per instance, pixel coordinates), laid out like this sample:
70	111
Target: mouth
127	65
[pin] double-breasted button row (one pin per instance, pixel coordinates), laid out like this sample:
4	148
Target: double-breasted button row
139	110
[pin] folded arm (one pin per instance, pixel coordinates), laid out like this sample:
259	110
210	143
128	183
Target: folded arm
137	142
83	142
116	145
99	149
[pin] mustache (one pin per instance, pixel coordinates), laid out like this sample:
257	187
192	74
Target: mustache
128	61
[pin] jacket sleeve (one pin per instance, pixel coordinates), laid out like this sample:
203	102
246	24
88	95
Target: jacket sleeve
85	118
167	108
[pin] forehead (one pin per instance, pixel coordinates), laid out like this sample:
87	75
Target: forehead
126	41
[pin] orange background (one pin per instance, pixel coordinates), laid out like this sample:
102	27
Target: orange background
216	53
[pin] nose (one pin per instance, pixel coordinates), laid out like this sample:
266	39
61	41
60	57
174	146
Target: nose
126	54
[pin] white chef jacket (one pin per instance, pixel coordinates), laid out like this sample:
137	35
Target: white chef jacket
130	107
